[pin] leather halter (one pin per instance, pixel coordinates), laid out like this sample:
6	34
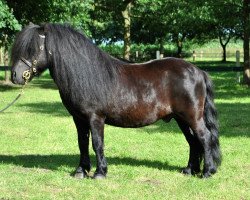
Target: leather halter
32	71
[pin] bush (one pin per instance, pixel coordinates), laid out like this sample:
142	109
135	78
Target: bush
145	51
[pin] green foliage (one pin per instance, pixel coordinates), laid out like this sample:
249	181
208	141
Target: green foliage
76	12
158	22
146	52
8	24
31	11
115	50
7	19
163	22
107	22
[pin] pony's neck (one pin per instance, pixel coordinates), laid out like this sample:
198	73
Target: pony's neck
80	69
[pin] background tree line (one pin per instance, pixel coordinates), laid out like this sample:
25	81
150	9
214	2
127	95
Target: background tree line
136	21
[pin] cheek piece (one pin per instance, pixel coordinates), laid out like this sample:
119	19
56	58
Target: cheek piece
32	71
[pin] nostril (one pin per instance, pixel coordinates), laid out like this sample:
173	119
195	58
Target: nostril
13	77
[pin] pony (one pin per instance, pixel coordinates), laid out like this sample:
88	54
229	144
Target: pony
98	89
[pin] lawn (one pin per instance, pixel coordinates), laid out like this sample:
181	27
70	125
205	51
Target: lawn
39	151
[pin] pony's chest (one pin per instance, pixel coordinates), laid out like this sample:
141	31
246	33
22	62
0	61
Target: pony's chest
76	105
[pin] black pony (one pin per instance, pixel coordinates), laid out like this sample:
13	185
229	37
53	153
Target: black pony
98	89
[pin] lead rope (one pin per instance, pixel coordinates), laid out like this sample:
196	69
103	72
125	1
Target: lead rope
26	75
18	96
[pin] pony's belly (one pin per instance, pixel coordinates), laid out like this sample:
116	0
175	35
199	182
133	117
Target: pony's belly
129	123
136	119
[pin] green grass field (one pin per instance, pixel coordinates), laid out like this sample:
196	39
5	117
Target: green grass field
39	151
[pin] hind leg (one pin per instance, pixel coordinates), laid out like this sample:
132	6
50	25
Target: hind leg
196	150
204	136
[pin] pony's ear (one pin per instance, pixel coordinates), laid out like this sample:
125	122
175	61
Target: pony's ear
31	24
46	28
41	31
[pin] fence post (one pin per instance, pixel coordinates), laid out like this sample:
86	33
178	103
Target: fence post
194	56
136	55
1	56
238	65
201	55
157	54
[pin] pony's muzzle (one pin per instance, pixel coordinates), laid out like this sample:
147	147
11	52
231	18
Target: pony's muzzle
13	77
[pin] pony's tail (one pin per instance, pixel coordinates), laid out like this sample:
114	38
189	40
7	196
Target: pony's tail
210	116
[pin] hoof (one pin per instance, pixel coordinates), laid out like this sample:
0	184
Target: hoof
186	171
206	175
80	173
190	171
99	176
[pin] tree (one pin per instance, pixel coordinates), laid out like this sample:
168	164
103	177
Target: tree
126	13
115	22
150	22
246	29
171	21
31	11
226	18
75	12
106	21
8	27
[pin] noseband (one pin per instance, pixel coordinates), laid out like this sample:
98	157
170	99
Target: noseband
28	73
32	71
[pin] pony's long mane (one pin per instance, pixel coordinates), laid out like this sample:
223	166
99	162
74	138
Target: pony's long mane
26	44
77	63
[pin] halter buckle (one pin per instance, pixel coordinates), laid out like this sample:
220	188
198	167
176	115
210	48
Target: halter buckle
26	75
34	70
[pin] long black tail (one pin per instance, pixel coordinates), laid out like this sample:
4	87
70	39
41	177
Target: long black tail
210	115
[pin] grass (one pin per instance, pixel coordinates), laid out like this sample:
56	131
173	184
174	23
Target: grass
39	151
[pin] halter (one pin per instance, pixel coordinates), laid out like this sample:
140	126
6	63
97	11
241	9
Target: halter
27	73
32	65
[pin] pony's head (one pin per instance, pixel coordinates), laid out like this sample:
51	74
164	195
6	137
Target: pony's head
29	54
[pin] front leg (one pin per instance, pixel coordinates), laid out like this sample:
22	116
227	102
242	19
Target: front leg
82	126
97	131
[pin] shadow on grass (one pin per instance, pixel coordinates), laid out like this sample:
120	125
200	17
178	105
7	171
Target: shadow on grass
203	64
226	86
53	162
233	118
50	108
9	86
44	83
233	121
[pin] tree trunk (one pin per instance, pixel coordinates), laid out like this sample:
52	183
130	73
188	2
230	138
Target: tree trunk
1	56
246	74
127	23
224	46
224	56
179	49
6	63
161	46
6	59
179	39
